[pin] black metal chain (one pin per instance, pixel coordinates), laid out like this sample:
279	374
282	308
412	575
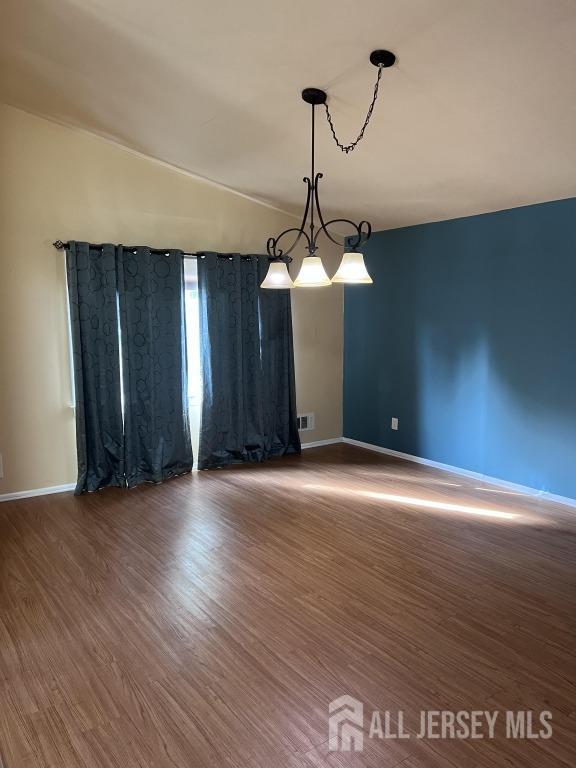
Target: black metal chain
349	147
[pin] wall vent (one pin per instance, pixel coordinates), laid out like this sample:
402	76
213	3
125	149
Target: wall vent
305	422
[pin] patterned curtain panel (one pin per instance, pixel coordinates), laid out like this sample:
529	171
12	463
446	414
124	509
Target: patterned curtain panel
92	292
154	368
249	402
277	361
129	343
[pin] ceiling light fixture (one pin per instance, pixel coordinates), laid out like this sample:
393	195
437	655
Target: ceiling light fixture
312	273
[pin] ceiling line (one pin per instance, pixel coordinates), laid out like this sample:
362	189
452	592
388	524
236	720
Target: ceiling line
153	159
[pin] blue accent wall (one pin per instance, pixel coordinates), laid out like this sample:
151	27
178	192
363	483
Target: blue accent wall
468	336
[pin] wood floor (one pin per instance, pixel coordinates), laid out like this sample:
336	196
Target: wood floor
210	621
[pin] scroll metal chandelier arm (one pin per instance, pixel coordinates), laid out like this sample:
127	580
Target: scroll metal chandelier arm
272	245
359	237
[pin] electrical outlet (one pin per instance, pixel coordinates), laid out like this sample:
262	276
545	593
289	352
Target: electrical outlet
394	423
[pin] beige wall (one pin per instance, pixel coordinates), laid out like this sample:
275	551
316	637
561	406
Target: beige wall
56	182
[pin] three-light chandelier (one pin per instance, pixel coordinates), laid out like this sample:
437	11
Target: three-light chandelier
312	273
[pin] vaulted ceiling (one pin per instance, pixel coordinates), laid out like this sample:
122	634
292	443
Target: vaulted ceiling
479	113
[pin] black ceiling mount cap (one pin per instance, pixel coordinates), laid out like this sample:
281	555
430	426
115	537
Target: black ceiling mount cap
382	58
314	96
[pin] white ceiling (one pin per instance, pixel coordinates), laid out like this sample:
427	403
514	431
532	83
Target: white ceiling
479	114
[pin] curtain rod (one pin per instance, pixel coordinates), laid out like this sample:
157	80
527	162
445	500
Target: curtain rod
60	246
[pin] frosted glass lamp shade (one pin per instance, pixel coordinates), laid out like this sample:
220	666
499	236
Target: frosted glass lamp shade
352	270
312	273
277	276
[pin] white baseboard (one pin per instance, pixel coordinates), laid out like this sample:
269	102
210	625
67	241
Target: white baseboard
71	486
368	446
318	443
37	492
524	489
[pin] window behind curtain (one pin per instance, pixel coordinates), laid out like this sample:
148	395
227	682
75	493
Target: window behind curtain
193	345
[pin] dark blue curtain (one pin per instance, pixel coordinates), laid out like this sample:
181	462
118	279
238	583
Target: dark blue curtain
249	401
154	369
92	292
127	319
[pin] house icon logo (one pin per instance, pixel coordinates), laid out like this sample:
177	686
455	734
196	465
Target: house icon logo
345	725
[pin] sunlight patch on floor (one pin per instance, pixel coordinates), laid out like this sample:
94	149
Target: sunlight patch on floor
448	506
497	490
420	480
414	501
